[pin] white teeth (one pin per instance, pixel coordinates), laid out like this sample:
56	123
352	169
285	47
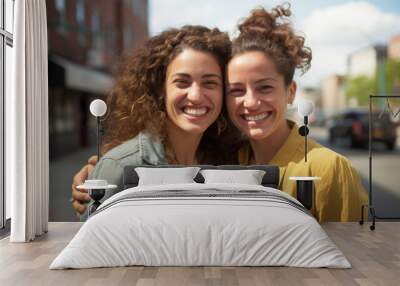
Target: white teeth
256	117
195	111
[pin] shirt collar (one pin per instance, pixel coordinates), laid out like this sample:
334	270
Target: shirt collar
285	154
151	150
290	148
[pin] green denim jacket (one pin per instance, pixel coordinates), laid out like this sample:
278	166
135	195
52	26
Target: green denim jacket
144	149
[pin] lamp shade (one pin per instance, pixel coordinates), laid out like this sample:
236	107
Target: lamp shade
98	107
305	107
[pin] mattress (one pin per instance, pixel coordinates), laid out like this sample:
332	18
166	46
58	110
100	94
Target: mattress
201	225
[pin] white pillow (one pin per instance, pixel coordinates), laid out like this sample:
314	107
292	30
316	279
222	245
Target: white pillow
162	176
249	177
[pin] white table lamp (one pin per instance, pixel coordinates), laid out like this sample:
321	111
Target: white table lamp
98	108
305	185
305	108
97	188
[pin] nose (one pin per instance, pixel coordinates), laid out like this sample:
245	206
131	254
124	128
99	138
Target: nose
251	100
195	93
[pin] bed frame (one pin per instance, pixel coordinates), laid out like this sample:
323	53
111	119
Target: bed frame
270	179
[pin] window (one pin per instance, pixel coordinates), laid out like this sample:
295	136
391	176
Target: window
60	6
6	44
80	21
95	20
62	12
139	8
80	12
128	38
97	36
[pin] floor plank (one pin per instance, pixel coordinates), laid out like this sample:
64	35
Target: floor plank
374	255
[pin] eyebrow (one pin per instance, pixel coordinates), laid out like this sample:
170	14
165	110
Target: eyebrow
265	79
180	74
204	76
235	84
212	75
257	81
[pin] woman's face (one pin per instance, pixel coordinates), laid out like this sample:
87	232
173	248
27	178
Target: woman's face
194	91
256	95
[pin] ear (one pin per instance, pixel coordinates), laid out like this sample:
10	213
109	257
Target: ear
291	91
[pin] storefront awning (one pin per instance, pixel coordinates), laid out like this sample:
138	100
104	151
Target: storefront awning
80	77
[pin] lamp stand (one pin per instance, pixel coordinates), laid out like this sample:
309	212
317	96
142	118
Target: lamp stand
98	137
370	206
305	138
96	195
303	131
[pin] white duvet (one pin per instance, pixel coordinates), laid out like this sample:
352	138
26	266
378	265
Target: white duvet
201	224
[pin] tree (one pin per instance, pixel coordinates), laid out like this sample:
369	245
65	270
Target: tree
392	76
361	87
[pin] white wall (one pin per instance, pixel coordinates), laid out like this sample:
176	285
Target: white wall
363	63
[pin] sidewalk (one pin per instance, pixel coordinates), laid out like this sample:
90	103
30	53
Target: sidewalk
61	172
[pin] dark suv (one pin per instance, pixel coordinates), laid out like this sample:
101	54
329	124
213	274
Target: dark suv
353	125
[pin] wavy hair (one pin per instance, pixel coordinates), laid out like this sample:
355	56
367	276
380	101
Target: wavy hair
136	102
271	33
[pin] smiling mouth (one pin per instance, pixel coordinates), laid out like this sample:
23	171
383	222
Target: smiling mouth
197	112
257	117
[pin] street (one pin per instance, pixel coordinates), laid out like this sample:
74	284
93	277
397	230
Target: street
385	171
386	181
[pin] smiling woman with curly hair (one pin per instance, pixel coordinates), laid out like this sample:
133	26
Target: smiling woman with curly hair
167	107
260	84
137	101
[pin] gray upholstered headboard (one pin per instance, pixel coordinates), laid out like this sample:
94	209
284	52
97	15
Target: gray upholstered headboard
270	179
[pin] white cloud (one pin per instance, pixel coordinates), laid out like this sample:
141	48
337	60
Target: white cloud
334	32
350	23
222	14
327	60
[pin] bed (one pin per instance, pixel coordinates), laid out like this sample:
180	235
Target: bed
201	223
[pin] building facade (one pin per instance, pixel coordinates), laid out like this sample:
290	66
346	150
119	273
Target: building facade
394	48
86	39
394	54
333	96
365	62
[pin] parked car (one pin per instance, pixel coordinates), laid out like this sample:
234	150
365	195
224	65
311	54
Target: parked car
317	118
353	125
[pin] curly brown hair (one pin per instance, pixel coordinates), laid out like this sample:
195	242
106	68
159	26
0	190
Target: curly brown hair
136	102
262	31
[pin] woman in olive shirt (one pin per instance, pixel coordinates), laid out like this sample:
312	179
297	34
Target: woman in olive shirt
260	84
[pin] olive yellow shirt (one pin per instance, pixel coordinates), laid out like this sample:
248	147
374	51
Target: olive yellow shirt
339	193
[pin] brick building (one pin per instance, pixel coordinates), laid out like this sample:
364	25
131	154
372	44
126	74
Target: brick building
394	54
333	96
394	48
86	40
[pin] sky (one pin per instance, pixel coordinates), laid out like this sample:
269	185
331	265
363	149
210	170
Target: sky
333	29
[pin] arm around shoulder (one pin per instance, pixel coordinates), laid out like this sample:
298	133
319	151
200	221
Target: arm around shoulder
110	170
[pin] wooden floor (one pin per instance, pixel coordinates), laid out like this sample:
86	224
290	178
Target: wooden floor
375	256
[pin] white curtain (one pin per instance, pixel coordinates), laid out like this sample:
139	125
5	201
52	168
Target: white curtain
27	159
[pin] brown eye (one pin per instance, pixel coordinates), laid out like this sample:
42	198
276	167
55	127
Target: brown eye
265	88
236	92
210	84
181	83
